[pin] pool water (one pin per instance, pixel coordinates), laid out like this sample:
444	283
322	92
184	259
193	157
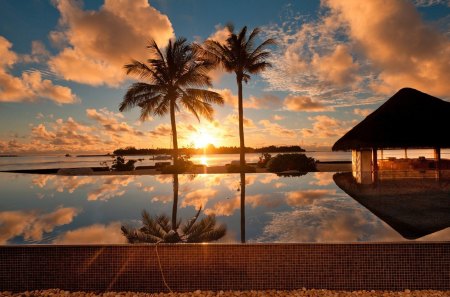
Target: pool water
52	209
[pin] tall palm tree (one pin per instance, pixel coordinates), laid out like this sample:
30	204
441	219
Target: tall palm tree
239	55
175	77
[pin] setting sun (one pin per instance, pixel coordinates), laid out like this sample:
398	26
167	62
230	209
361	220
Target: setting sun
202	138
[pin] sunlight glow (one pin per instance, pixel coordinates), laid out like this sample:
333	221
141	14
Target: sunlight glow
204	160
202	138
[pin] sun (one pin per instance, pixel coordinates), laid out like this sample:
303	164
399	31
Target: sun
202	138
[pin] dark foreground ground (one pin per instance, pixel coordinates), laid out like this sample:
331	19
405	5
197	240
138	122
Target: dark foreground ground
300	293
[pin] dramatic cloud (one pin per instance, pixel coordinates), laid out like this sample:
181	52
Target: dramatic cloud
30	86
303	103
96	44
110	122
33	224
359	54
394	37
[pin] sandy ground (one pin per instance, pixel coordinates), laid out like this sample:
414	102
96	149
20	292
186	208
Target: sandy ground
299	293
321	167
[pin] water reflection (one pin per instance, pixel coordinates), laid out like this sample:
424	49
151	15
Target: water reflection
254	207
414	207
162	229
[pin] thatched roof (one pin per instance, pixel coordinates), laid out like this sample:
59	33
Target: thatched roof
412	207
409	119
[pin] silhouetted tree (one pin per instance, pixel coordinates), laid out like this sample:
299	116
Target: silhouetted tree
175	78
239	55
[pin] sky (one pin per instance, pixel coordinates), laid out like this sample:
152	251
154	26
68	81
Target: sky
62	77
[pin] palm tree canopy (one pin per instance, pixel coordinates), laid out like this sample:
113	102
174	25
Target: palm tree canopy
175	74
160	230
238	54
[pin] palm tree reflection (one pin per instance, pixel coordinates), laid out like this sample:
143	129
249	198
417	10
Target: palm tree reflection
160	229
242	207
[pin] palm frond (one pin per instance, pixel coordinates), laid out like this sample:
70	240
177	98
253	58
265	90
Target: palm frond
137	93
186	228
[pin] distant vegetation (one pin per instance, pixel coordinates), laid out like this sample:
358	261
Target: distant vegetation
129	151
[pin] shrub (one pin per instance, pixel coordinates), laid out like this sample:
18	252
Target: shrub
120	165
263	159
183	165
285	162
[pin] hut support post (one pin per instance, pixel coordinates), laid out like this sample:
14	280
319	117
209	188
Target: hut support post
374	159
437	157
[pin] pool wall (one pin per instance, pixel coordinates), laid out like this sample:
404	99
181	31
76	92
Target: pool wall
190	267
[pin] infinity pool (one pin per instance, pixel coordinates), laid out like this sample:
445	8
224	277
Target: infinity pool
52	209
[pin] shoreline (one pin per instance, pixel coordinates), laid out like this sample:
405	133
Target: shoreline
332	166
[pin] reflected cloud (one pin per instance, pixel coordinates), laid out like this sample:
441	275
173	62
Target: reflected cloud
111	187
269	178
198	198
33	224
94	234
225	207
163	198
323	178
307	197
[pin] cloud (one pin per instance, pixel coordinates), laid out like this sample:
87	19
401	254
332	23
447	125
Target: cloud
277	117
233	119
96	44
362	112
304	103
94	234
228	96
277	130
110	122
30	86
327	127
359	54
33	224
397	41
265	101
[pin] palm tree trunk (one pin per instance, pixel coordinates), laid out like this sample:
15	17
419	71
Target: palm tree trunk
174	132
242	207
175	201
241	125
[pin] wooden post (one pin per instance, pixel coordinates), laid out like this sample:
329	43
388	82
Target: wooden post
406	153
437	157
374	159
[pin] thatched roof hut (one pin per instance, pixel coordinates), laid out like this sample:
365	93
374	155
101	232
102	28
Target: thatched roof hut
409	119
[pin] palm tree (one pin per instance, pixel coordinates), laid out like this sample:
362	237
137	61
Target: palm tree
161	230
239	55
175	77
